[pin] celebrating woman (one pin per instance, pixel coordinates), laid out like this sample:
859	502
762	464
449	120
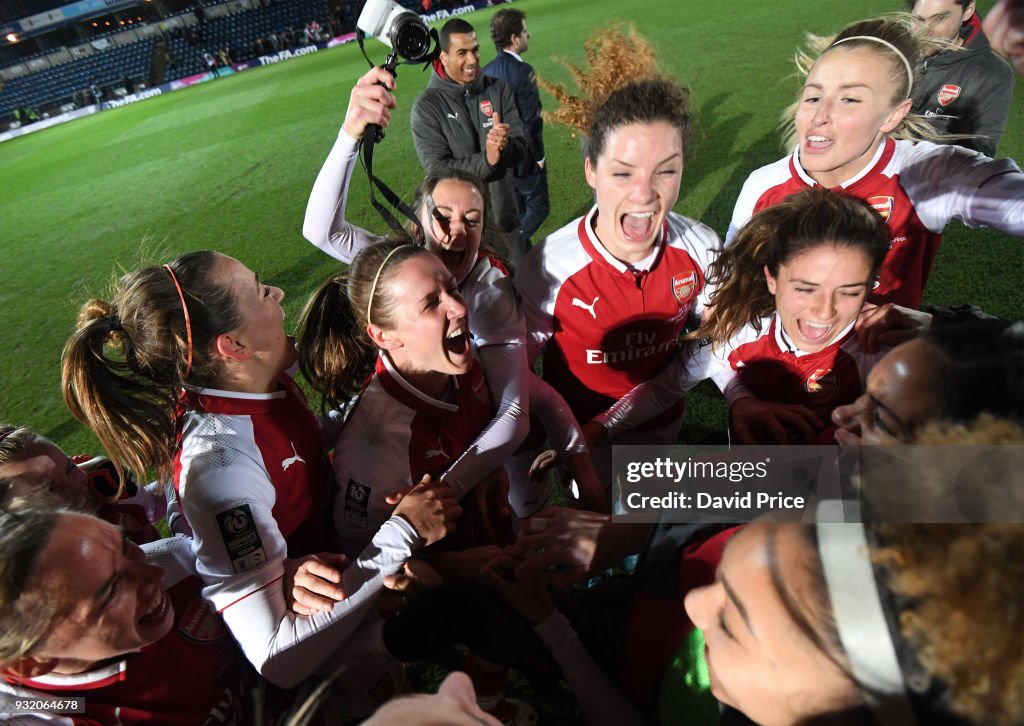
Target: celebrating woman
779	339
183	371
854	132
452	209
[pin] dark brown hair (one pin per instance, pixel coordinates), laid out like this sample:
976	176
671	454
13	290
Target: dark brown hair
505	24
812	218
27	610
640	102
336	354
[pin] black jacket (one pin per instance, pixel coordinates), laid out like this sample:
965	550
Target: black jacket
521	78
972	84
449	128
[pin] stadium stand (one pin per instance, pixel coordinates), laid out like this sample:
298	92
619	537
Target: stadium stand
48	89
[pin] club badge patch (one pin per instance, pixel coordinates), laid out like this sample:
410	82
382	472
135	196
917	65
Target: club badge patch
948	94
241	538
357	504
882	205
486	108
683	285
200	623
823	383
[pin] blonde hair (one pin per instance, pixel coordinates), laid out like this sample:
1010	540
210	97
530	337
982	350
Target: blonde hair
898	38
965	617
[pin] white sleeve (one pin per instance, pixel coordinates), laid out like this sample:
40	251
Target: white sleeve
176	521
600	697
704	247
744	209
951	182
285	647
495	317
691	365
325	224
507	374
554	413
533	285
151	498
240	555
174	555
333	421
734	390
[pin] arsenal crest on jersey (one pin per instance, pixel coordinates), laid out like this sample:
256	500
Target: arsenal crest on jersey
200	623
822	384
488	110
882	205
683	285
948	94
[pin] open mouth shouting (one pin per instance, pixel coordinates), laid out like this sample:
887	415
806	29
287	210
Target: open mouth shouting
454	260
158	611
815	333
816	144
456	342
638	226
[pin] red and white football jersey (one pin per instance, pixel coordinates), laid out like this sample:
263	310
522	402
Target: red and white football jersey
766	364
252	478
917	188
193	675
394	436
770	366
609	326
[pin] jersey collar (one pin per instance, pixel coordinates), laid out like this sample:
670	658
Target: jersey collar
98	678
882	155
788	345
212	400
399	388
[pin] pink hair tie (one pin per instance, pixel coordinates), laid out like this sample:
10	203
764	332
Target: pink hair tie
188	322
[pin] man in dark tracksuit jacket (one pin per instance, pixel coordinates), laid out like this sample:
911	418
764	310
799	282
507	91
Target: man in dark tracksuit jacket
970	84
511	40
470	121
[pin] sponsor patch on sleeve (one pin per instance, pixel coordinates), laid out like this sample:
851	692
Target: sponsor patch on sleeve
241	538
357	502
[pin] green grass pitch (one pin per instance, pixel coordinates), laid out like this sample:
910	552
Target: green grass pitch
228	165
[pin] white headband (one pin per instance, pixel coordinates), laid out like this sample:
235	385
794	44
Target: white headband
890	46
376	279
859	616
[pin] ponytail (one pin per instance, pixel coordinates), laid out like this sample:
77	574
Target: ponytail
336	354
125	366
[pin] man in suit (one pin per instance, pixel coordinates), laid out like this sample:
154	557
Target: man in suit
511	39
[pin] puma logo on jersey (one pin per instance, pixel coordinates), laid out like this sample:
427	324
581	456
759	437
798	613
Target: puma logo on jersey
454	115
433	453
577	303
292	459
